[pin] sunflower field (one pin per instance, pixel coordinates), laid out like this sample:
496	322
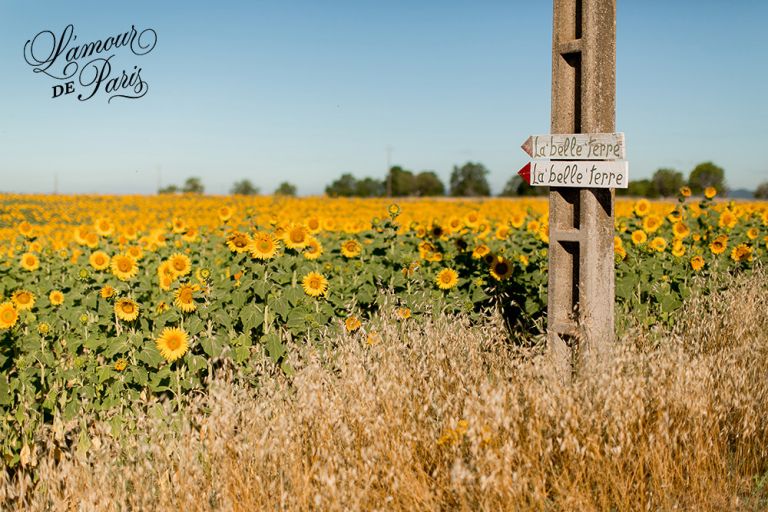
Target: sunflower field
106	299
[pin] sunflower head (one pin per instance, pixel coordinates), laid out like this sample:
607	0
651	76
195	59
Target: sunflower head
23	300
124	267
447	278
8	315
56	298
172	343
180	264
501	268
126	309
314	284
263	246
30	261
185	297
351	248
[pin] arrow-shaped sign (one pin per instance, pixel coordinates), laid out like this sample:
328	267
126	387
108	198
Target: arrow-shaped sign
576	173
576	146
525	173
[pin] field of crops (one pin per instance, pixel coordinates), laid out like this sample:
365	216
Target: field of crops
104	300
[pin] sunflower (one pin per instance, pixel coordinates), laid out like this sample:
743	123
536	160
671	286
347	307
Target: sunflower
727	219
135	252
126	309
180	263
697	263
104	227
678	249
685	191
620	253
23	299
178	225
29	261
185	297
43	328
480	251
225	213
190	235
313	250
502	232
56	298
314	284
25	228
121	364
658	244
351	248
352	323
296	237
501	268
472	219
124	267
517	220
741	252
313	225
99	260
172	343
680	230
107	292
639	237
8	315
447	278
238	242
403	313
642	207
263	246
710	192
651	223
719	244
753	233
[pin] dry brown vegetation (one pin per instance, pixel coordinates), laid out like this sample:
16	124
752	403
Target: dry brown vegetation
447	416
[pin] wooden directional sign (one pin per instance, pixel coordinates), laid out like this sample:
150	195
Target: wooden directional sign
576	173
576	146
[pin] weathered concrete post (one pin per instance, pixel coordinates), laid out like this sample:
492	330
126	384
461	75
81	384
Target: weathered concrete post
581	257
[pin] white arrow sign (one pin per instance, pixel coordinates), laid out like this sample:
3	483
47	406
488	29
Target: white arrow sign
576	146
579	173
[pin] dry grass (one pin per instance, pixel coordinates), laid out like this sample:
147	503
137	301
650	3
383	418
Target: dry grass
447	417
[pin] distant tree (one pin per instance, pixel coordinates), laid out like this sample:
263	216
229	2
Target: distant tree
370	187
193	186
170	189
402	181
667	182
516	186
345	186
762	191
286	189
244	188
706	175
428	184
469	180
638	188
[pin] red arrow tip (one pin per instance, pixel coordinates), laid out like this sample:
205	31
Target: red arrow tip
525	173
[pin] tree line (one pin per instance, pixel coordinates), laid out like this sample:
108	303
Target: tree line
470	180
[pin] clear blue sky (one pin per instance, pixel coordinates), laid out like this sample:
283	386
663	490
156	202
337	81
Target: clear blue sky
304	91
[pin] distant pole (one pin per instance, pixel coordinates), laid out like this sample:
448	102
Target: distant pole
580	315
389	171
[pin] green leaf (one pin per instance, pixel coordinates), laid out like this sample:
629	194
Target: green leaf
275	347
193	325
196	363
251	316
211	346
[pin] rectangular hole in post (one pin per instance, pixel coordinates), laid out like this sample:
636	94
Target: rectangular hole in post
578	18
571	267
574	61
569	206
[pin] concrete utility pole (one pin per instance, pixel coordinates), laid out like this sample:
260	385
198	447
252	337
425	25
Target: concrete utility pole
581	257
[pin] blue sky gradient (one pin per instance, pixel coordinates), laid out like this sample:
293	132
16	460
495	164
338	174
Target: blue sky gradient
305	91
